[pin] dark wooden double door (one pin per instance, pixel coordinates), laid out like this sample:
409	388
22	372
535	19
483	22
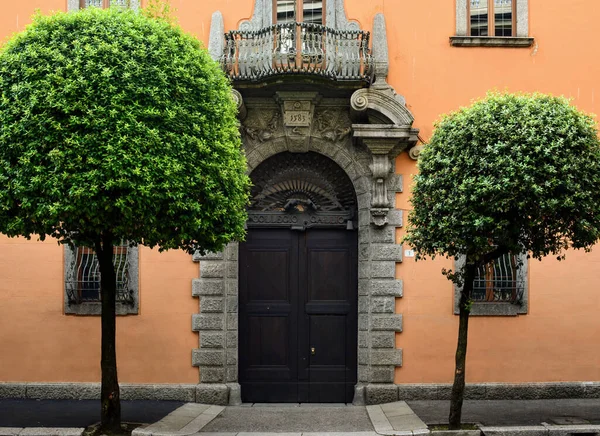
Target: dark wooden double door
298	316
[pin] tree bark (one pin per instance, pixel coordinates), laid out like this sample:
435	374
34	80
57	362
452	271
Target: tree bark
110	416
458	388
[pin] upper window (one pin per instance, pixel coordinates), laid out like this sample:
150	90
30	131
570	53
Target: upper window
495	23
499	287
307	11
103	3
73	5
82	280
491	17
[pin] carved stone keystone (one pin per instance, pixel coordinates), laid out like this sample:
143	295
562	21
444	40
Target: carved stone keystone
385	142
297	110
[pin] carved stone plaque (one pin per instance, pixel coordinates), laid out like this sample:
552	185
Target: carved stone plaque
297	113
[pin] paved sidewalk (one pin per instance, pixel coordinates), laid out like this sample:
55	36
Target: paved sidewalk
497	418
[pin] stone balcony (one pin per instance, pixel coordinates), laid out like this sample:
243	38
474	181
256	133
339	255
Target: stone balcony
297	49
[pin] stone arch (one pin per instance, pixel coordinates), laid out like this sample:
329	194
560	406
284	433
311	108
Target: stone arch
265	135
355	165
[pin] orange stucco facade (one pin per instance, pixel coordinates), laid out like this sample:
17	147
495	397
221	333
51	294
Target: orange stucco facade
555	341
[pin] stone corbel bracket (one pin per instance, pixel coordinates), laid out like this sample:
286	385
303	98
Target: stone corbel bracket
385	128
385	142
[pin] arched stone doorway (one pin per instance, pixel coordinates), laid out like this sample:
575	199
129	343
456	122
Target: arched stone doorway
298	283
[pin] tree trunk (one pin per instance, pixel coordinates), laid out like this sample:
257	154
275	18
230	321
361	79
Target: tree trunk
458	388
110	417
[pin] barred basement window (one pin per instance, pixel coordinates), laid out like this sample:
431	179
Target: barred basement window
82	280
499	288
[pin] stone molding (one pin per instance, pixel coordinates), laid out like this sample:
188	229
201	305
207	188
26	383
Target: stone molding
374	393
491	41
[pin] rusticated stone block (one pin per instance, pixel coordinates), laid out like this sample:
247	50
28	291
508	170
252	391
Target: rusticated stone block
381	393
212	393
158	392
232	287
380	357
232	270
207	321
232	321
212	269
231	357
363	304
383	305
232	339
212	375
211	340
13	390
394	183
383	270
63	391
383	340
363	286
395	218
364	373
232	304
202	357
386	234
232	374
363	357
382	374
209	255
387	322
391	252
211	305
202	287
363	339
392	288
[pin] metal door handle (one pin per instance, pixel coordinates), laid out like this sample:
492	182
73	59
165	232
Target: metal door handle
312	351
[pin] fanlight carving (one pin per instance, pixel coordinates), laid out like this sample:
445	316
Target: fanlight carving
305	183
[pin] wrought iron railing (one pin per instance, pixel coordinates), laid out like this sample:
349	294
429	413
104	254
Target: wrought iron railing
298	48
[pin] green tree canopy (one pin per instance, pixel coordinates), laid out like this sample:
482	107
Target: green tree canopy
511	171
116	126
113	121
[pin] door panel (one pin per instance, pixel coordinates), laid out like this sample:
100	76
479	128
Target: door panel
298	291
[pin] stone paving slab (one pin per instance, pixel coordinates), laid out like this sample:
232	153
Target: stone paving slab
291	419
186	420
10	431
51	431
396	419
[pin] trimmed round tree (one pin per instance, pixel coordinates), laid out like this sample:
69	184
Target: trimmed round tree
509	174
115	126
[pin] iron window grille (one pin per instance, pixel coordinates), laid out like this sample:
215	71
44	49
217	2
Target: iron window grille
83	283
499	281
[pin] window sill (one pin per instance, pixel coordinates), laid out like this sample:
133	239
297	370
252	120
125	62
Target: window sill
95	308
491	41
496	309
